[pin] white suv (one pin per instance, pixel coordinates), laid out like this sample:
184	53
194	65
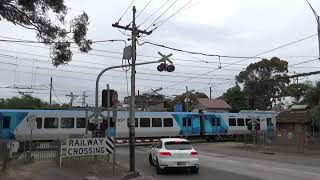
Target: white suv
174	153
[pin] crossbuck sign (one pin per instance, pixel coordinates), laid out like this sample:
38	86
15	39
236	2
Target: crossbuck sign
89	146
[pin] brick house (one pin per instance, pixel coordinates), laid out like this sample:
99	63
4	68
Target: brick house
297	119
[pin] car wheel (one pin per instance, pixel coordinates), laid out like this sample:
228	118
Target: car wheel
159	170
195	170
150	160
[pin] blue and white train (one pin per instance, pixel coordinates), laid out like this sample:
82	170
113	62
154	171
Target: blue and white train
61	124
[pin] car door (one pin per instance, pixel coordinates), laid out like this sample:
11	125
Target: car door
156	149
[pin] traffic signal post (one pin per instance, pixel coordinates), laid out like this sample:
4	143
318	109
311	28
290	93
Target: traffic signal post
164	59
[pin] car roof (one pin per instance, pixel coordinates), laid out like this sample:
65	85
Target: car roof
173	139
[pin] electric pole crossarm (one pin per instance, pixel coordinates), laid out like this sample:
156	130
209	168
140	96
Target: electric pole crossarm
131	29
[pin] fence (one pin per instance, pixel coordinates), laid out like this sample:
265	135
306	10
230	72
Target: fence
295	142
45	150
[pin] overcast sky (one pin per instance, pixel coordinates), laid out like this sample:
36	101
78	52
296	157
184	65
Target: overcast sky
224	27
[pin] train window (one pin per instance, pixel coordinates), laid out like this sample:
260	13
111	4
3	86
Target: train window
39	122
144	122
248	121
218	121
167	122
232	122
111	122
213	122
156	122
186	121
81	123
5	122
51	122
240	121
67	123
189	122
136	122
269	122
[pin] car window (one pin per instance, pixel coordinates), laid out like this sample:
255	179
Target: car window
178	145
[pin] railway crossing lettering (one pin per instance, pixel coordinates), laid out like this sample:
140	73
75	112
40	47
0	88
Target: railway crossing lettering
89	146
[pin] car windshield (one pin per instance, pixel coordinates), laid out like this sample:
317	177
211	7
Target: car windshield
178	145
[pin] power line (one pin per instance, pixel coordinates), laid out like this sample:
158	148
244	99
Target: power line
126	10
90	67
161	15
279	47
143	8
147	56
154	12
304	62
179	10
114	76
193	52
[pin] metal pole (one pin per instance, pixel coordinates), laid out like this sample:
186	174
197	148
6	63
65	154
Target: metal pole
108	105
115	117
132	98
87	119
50	100
210	92
318	23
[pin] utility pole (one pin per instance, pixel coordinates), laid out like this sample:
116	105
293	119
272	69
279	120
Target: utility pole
84	96
318	25
72	98
210	92
50	101
135	32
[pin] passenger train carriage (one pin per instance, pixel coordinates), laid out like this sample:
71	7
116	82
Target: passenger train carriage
61	124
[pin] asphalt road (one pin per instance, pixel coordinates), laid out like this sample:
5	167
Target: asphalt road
215	164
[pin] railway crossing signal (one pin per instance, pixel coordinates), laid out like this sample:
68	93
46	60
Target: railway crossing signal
109	97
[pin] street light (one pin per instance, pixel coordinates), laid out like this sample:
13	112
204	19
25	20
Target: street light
318	24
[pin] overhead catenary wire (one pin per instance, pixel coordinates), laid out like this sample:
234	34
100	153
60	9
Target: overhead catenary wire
139	55
194	52
259	54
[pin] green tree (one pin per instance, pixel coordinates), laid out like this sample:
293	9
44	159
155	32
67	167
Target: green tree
264	81
312	98
236	98
298	91
316	115
24	102
56	32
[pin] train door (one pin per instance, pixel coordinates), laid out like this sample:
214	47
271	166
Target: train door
187	126
216	125
6	123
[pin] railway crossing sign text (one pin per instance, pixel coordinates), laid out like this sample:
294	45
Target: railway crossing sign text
89	146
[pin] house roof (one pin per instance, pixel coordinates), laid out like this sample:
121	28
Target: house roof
213	103
302	116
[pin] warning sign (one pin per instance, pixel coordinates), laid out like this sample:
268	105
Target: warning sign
89	146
